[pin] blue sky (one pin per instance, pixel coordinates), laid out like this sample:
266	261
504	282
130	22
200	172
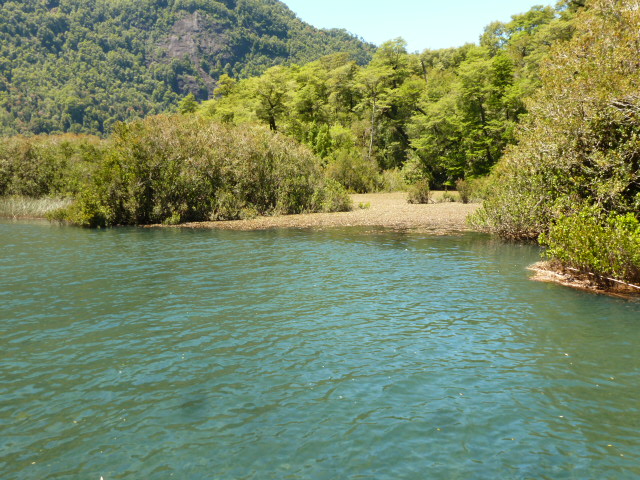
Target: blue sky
422	23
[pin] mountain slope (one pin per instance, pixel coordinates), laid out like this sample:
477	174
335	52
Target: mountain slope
81	65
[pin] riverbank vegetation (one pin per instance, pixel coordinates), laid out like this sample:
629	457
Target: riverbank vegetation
47	165
169	169
572	181
21	207
423	120
540	119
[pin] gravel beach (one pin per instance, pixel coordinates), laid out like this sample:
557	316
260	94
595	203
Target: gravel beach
388	210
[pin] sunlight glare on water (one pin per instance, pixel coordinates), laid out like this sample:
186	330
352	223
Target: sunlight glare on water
300	354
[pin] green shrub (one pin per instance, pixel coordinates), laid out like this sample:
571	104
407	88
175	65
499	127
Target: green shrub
591	241
519	205
419	192
393	180
87	211
355	172
41	166
332	197
169	169
464	190
413	170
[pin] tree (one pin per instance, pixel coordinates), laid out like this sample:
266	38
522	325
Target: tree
271	91
188	104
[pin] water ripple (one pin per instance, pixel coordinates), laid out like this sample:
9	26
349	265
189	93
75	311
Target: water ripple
135	353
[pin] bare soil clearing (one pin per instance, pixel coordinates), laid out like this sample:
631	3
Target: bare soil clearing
389	210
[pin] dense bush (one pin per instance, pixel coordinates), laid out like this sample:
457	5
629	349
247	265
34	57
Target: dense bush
464	189
580	144
42	166
393	180
606	245
357	173
419	192
170	169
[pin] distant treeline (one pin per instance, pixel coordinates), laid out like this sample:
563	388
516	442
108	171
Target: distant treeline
444	114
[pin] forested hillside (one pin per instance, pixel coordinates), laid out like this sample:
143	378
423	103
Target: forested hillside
81	65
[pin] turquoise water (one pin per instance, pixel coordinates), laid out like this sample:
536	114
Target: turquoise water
292	354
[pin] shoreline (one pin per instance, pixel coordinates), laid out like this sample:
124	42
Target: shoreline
548	272
391	211
386	210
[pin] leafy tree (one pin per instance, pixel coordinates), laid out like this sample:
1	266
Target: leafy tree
271	91
188	104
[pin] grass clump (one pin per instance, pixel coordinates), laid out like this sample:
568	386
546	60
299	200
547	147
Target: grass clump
18	206
447	197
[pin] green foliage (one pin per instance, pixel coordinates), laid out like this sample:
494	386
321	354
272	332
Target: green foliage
357	174
440	115
579	145
465	190
43	166
593	242
393	180
188	104
332	197
420	192
574	177
82	65
88	210
170	169
449	114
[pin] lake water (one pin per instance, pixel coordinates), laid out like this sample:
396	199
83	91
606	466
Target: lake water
293	354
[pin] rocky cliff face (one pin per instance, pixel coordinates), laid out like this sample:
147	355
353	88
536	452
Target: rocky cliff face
201	40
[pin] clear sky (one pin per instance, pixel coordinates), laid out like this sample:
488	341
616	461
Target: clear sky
422	23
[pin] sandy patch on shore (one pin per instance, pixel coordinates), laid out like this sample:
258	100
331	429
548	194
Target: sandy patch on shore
389	210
